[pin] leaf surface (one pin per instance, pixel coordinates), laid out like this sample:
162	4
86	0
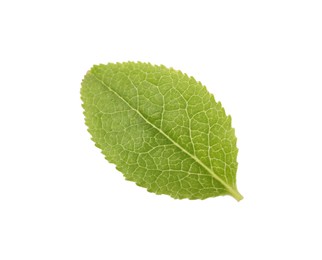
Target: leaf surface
162	130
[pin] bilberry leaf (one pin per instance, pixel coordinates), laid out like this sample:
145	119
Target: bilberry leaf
162	129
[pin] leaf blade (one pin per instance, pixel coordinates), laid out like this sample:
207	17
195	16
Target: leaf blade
166	104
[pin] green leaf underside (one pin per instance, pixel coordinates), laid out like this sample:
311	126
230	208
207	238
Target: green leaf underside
162	130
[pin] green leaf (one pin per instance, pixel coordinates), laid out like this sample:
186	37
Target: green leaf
162	130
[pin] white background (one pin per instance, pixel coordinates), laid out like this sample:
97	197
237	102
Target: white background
60	199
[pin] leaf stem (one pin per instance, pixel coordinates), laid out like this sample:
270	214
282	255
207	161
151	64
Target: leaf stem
236	194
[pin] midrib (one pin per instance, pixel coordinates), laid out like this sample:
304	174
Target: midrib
230	189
